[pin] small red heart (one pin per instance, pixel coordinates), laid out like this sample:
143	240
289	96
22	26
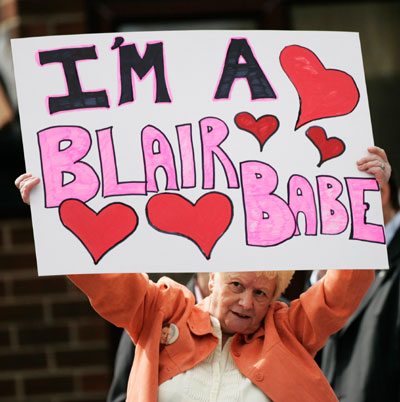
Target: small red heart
322	92
203	222
262	128
98	232
328	148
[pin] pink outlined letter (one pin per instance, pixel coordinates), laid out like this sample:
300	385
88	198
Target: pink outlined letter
301	200
269	220
334	216
111	185
154	158
213	133
361	230
56	161
188	172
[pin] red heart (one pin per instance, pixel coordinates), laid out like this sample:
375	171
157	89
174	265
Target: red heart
203	222
323	92
328	147
98	232
262	128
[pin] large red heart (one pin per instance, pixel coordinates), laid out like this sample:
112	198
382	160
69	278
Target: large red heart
322	92
98	232
262	128
203	222
328	148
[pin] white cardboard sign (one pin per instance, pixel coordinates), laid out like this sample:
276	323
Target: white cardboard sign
198	151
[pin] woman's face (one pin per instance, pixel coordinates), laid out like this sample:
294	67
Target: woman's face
240	300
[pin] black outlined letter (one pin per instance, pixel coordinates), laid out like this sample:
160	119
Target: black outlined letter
76	98
129	59
260	88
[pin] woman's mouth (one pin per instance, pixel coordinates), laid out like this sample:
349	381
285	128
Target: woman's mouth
245	316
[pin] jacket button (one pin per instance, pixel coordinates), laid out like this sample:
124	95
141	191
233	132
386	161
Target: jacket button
259	376
167	369
237	353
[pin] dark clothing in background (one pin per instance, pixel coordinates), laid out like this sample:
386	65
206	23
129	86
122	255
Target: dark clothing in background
122	368
362	361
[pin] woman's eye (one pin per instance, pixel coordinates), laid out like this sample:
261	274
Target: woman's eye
236	286
260	293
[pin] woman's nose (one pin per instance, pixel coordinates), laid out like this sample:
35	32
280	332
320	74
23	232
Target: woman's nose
246	300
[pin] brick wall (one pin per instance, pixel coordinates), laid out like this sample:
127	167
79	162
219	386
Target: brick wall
53	346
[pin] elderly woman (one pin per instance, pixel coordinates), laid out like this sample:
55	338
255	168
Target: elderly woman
238	344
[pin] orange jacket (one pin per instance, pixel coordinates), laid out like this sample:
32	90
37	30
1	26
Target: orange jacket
278	357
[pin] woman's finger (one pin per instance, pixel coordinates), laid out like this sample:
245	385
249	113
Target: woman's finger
21	178
376	163
25	187
379	152
375	153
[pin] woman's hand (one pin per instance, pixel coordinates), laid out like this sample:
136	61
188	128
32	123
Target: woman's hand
25	183
377	164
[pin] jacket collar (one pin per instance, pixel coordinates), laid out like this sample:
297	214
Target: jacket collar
199	319
258	334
